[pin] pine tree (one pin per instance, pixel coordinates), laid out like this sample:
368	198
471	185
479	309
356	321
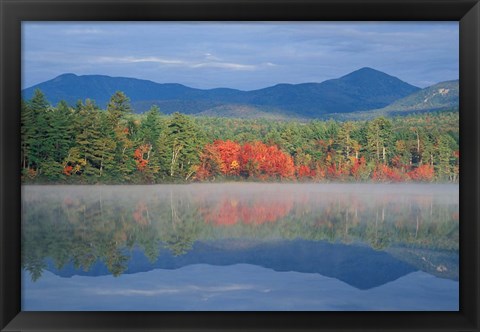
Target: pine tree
150	127
117	108
87	139
179	147
35	129
379	137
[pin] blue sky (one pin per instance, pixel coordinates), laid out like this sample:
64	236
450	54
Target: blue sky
242	55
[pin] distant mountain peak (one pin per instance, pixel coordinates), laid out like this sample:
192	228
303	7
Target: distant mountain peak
361	90
65	76
366	72
368	69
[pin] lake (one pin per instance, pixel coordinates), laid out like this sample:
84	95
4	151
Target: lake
241	246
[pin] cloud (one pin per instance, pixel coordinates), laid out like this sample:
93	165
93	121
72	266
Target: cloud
105	59
224	65
210	63
162	291
84	31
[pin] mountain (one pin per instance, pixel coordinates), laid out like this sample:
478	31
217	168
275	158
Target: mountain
357	265
71	88
360	90
439	97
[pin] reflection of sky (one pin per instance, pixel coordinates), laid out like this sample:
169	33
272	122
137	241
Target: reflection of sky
240	55
235	287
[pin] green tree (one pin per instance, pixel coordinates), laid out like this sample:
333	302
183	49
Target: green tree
151	127
117	108
179	147
379	135
35	131
87	139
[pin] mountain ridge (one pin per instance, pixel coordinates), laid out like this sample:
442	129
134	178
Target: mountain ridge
361	90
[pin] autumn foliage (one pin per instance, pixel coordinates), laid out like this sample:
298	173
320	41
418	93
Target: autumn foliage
228	154
304	172
384	173
140	154
422	173
67	170
251	160
358	167
257	160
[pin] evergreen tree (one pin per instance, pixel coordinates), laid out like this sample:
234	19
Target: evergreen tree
36	130
179	147
117	108
150	127
86	141
379	136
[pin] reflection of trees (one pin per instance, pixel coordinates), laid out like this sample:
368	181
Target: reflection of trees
181	229
83	229
256	210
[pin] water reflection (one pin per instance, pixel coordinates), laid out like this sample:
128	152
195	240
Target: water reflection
326	229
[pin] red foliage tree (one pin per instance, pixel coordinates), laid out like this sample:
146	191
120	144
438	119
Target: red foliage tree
383	173
424	173
67	170
139	156
303	172
260	160
358	167
335	172
229	153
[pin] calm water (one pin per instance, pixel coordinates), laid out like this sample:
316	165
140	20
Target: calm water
241	246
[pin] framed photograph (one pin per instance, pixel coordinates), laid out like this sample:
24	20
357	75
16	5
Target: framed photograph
241	165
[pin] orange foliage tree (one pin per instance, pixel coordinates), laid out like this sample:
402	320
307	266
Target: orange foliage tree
260	160
304	172
229	153
358	167
140	154
251	160
424	173
384	173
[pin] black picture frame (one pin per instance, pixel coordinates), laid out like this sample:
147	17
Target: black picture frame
13	12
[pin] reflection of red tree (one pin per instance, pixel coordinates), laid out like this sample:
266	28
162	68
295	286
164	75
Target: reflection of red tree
230	211
139	215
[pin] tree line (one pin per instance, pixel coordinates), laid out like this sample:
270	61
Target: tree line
85	144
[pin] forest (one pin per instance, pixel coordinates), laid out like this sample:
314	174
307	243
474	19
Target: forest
87	145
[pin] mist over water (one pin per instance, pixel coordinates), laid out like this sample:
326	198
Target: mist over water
362	236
